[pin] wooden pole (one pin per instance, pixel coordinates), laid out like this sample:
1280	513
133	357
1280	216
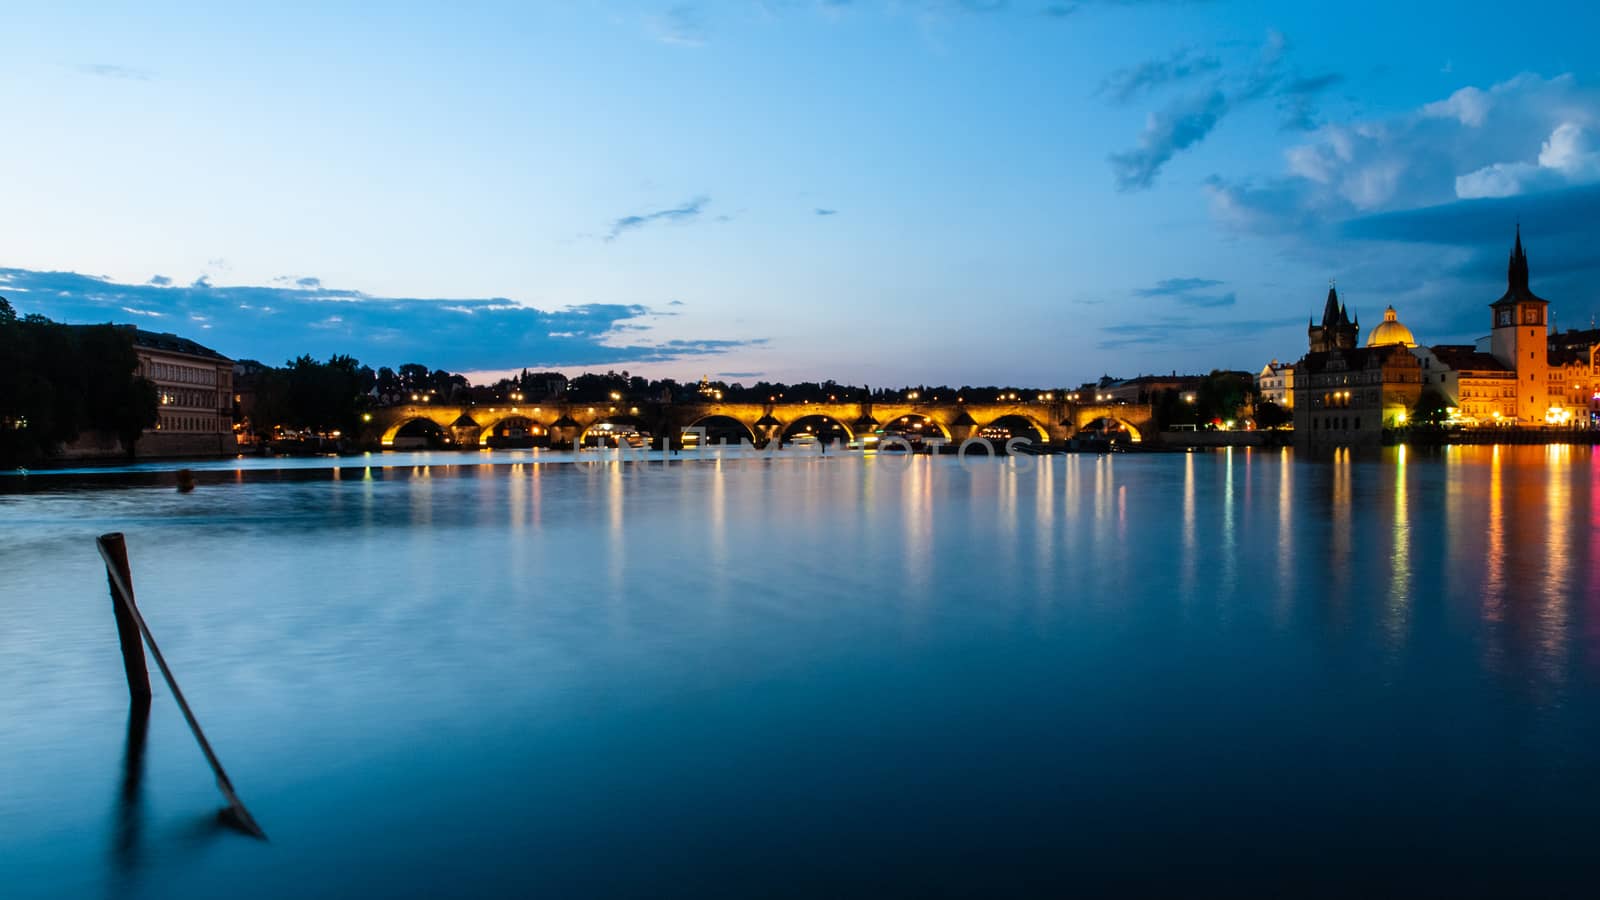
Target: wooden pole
236	813
115	551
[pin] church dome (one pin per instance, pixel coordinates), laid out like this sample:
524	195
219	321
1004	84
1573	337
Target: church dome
1390	331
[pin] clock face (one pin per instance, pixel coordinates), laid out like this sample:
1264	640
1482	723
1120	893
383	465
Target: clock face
1530	316
1505	317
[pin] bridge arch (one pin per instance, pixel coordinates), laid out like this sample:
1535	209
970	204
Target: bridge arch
1015	425
419	427
916	424
506	428
723	429
620	424
1111	426
821	425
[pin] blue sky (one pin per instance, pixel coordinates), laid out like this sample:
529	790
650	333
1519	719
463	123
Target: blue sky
898	192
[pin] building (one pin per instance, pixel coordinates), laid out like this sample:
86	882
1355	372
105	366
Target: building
194	387
1475	387
1348	394
1520	374
1142	389
1275	384
1520	339
1338	331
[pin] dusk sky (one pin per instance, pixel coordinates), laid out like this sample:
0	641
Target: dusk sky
905	192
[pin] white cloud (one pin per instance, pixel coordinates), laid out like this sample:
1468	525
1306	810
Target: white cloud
1570	151
1566	158
1522	135
1469	106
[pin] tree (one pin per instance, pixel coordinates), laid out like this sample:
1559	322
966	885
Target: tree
58	381
1271	415
1431	411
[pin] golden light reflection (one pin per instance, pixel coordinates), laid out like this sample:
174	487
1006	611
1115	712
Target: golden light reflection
1044	528
1230	537
1494	576
1190	562
1397	611
1558	587
1340	526
916	486
517	489
1285	535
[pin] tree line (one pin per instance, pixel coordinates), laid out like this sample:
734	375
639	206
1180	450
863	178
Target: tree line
58	382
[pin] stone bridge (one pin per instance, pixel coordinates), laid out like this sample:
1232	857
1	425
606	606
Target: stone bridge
561	423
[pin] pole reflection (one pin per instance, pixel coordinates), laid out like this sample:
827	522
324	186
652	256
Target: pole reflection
130	805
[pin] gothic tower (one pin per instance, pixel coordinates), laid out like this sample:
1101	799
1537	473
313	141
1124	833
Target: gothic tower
1520	337
1337	331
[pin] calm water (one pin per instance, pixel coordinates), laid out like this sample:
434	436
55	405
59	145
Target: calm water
817	677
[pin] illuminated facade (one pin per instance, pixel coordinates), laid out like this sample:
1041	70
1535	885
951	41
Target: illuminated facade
1345	393
1275	384
1517	376
194	387
1475	387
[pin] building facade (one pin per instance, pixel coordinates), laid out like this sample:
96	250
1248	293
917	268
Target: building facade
1475	387
1275	384
1347	394
1520	374
194	387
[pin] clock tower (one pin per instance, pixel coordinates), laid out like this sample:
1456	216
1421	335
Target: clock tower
1520	337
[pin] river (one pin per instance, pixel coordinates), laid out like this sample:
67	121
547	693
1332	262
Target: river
509	674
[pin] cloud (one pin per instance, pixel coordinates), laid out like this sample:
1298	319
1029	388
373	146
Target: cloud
1188	120
1522	136
108	70
680	26
277	323
1124	85
825	212
1189	292
740	374
1418	208
675	303
688	211
1171	331
1178	127
312	283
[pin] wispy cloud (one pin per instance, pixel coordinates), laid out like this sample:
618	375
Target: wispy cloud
1173	330
681	26
277	323
1167	287
1188	120
686	212
108	70
1189	292
825	212
1178	127
1126	84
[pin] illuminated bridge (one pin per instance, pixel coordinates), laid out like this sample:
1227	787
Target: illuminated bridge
565	423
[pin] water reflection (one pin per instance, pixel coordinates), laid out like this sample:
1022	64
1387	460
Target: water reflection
1399	595
809	651
130	802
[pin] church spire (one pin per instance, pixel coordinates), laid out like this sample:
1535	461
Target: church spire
1332	312
1517	268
